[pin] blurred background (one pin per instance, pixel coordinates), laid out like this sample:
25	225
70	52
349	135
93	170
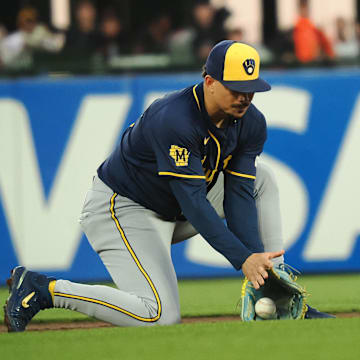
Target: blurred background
93	36
75	74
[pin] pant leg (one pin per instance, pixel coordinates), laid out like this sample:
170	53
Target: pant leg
267	204
134	245
268	210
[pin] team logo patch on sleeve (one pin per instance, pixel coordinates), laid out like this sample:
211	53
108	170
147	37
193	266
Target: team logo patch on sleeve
180	155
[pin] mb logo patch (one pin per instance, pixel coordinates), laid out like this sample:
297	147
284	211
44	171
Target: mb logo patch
180	155
249	66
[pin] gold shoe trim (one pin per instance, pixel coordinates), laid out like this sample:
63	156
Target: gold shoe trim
26	299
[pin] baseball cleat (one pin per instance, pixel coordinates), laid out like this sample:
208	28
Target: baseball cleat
312	313
29	293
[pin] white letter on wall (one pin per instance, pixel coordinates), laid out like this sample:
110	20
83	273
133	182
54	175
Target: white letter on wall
46	233
337	224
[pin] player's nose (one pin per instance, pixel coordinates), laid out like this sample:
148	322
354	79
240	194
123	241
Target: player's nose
244	97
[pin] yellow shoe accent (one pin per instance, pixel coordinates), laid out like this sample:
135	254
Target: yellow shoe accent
52	289
26	299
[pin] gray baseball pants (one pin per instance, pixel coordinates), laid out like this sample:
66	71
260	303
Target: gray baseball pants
134	243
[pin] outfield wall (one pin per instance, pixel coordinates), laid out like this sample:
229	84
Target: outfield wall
55	132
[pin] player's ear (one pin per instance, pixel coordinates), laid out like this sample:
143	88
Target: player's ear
208	80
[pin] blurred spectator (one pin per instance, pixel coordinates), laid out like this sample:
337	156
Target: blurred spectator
208	28
311	44
114	40
155	38
3	32
282	47
235	34
16	49
180	47
83	37
346	43
191	45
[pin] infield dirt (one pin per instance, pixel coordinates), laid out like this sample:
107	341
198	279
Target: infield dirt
100	324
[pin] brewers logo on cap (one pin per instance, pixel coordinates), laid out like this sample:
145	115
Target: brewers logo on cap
249	66
236	65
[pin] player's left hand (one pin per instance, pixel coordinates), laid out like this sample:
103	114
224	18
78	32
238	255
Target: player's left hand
255	266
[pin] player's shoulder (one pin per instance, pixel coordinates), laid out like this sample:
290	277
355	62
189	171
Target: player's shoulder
175	110
254	128
254	119
175	100
255	115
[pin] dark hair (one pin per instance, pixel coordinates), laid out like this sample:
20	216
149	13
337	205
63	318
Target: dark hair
204	72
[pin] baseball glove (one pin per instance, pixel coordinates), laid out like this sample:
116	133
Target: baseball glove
281	287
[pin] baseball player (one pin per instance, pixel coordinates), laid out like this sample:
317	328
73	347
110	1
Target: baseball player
187	163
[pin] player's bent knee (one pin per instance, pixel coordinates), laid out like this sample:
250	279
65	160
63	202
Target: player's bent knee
170	315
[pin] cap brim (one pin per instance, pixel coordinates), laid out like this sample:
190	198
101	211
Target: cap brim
257	85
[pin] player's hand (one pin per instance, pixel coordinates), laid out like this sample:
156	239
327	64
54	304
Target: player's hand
255	266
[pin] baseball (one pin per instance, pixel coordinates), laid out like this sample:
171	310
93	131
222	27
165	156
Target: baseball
265	308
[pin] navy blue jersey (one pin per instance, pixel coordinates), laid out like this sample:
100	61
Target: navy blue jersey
171	157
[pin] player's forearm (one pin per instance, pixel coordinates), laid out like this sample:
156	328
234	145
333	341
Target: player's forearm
199	212
241	213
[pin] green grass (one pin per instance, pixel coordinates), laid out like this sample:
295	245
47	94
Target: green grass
333	293
317	339
295	340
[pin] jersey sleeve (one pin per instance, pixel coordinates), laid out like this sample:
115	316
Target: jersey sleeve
241	213
176	146
242	163
239	203
191	196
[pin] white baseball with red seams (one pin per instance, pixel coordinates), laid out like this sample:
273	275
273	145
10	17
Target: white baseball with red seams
265	308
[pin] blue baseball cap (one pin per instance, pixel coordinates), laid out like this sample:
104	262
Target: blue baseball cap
236	65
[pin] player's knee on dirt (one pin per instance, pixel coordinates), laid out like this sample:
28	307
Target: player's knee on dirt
265	181
169	314
169	317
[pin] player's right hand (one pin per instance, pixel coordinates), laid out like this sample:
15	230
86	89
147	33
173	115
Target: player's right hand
255	266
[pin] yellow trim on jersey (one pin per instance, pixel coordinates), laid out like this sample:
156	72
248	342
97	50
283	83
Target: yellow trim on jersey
182	175
196	97
217	158
241	175
209	178
207	175
226	161
133	255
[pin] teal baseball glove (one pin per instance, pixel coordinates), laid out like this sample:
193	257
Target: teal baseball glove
281	287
